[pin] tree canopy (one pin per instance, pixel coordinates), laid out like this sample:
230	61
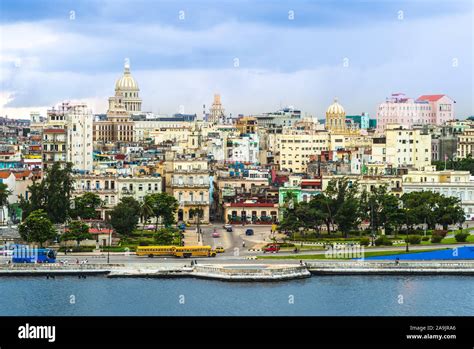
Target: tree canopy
37	227
52	194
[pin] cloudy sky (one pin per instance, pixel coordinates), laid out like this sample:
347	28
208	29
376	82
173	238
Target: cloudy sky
259	55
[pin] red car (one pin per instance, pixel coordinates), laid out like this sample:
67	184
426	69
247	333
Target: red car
216	235
271	248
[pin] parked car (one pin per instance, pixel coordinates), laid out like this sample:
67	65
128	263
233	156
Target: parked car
249	232
273	248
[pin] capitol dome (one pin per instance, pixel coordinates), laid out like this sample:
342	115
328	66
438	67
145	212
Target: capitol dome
335	108
126	82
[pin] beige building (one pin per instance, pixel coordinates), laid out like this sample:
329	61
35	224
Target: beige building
216	112
249	211
293	150
247	124
187	179
54	147
465	143
336	120
112	188
403	148
119	126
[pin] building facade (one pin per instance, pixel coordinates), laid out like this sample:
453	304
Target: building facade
187	179
426	109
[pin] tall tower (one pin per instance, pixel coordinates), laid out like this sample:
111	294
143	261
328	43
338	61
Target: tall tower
216	110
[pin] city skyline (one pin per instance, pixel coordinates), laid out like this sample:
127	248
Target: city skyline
259	57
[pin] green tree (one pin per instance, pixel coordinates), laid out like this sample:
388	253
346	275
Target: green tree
77	231
146	209
52	194
164	208
383	210
289	223
344	204
166	236
449	211
37	227
464	164
125	215
347	217
36	200
321	206
420	208
86	205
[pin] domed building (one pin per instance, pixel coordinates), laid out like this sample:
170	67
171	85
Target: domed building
127	87
126	94
118	127
336	118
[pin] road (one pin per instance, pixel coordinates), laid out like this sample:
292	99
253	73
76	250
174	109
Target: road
233	241
242	257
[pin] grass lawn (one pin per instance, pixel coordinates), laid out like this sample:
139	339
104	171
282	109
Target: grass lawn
304	248
367	254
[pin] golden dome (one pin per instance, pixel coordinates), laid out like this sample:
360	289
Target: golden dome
335	108
126	82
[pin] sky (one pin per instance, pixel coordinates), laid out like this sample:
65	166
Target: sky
258	55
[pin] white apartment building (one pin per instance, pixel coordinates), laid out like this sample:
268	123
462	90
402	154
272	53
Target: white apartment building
79	137
68	136
243	149
459	184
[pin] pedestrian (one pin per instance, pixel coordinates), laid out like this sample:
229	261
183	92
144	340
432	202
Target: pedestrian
397	260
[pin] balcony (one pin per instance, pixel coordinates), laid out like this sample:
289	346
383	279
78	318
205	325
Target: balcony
97	190
189	185
192	170
195	203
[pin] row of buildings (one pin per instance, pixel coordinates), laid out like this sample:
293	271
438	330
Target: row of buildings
240	168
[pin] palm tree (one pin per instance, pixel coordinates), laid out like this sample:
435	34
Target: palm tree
4	193
146	210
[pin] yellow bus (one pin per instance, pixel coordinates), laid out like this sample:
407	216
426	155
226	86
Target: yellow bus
176	251
195	251
152	251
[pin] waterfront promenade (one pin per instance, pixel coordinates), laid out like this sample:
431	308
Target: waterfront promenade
255	271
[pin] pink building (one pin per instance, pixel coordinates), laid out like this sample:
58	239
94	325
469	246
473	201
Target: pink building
426	109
